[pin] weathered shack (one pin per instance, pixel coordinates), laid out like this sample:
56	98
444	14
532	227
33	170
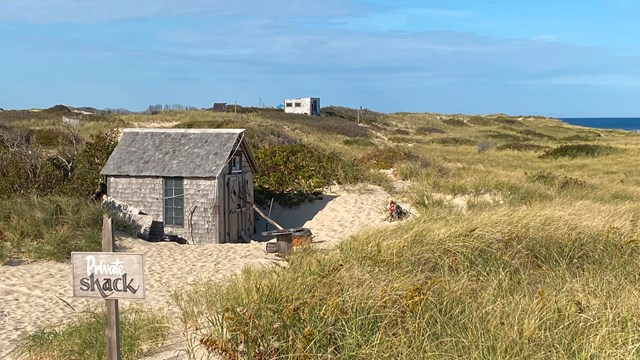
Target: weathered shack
196	183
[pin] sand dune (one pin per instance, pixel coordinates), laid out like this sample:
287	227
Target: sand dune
40	294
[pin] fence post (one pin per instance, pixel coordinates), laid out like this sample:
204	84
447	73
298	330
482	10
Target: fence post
113	314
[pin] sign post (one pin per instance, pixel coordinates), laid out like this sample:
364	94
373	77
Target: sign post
109	276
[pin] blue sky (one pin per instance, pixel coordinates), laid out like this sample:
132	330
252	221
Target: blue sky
563	58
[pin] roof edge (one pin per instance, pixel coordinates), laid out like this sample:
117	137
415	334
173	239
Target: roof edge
195	131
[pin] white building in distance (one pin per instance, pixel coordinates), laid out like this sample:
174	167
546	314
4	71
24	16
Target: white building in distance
308	106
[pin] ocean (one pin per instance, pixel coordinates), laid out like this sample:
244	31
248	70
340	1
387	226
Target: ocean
606	123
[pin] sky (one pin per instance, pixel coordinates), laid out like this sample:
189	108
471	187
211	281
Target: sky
559	58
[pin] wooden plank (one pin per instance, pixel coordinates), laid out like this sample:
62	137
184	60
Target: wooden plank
267	218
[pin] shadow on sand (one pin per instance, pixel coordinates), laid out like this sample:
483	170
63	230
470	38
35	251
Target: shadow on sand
289	218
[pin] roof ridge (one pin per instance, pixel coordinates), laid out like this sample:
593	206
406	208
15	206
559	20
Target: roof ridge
196	131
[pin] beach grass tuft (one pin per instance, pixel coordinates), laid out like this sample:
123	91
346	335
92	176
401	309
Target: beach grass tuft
84	338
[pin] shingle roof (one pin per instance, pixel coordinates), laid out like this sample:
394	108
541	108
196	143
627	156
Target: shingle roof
172	152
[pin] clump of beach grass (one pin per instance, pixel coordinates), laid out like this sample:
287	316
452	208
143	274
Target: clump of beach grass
84	338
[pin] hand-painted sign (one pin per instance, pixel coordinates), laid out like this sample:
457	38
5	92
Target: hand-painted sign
108	275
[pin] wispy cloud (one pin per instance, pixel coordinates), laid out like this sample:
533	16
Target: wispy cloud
73	11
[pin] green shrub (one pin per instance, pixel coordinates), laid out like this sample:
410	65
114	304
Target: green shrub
508	137
48	137
561	183
454	122
89	161
291	173
453	141
358	142
480	121
400	131
386	158
579	150
204	124
518	146
544	177
577	137
405	140
429	130
263	136
533	133
74	169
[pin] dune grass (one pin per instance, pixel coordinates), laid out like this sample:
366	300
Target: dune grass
50	228
535	283
84	338
550	272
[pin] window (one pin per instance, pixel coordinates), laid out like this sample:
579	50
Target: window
288	104
173	202
298	104
236	163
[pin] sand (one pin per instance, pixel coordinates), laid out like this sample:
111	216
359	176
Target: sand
39	294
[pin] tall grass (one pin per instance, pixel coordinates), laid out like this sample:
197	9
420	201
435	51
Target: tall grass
84	338
540	282
49	228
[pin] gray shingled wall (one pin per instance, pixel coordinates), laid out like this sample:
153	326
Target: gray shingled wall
146	194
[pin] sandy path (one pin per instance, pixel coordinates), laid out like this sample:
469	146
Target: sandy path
29	293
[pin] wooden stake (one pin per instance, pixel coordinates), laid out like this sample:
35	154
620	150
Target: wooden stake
113	314
266	217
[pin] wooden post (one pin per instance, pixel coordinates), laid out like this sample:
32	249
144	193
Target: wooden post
113	315
285	243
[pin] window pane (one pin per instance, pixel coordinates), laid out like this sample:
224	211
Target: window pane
173	202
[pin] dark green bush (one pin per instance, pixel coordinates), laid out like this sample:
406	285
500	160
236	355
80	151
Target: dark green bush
73	168
508	137
386	158
578	150
453	141
532	133
406	140
518	146
400	131
358	142
454	122
297	172
263	136
561	183
578	137
429	130
480	120
85	177
205	124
